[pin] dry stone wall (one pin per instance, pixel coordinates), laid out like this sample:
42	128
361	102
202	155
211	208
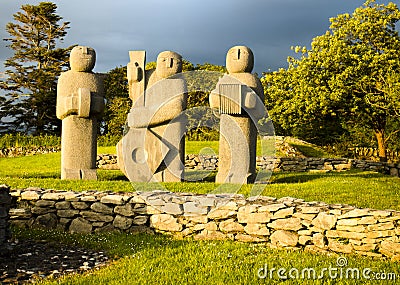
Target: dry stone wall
373	154
289	164
280	223
22	151
5	203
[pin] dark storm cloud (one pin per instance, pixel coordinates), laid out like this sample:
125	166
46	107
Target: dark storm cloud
202	31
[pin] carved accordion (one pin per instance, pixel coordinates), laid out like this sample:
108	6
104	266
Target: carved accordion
230	98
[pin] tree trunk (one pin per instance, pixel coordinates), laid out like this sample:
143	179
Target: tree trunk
380	137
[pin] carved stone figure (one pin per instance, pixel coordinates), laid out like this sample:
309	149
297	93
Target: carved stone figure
153	149
80	103
239	97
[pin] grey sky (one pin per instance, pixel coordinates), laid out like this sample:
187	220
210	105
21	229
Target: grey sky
201	31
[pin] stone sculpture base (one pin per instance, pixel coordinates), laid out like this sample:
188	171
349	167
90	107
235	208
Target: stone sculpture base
237	150
79	148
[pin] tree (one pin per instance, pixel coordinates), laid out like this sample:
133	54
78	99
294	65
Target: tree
30	84
118	102
348	80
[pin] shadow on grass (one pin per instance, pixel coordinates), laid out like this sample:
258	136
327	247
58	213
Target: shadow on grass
200	176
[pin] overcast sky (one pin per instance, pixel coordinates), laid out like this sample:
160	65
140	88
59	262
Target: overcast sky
201	31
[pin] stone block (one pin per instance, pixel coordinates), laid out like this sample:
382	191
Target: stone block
30	195
282	238
283	213
79	205
337	246
122	222
304	240
230	226
254	218
140	220
349	222
380	234
112	199
345	234
165	222
53	196
356	213
218	214
101	208
62	205
257	229
380	213
227	205
172	208
272	208
47	221
80	225
211	226
290	224
357	229
95	216
45	203
88	198
381	226
194	208
325	221
197	219
390	247
365	247
319	240
126	210
88	174
41	210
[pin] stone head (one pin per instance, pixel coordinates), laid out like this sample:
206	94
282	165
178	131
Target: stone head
239	59
168	64
82	59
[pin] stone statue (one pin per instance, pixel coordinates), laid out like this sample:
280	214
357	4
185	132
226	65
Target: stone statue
239	97
80	104
153	149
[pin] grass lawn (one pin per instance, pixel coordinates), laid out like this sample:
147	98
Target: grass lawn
362	189
156	259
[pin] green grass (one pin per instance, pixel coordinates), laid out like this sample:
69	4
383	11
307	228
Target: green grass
156	259
308	149
195	147
361	189
107	149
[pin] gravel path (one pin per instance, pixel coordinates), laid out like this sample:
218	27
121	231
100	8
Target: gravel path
24	261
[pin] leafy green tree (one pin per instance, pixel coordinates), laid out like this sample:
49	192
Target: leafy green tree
201	84
118	102
31	73
348	80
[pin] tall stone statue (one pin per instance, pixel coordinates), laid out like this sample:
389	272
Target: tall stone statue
80	104
153	149
239	97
